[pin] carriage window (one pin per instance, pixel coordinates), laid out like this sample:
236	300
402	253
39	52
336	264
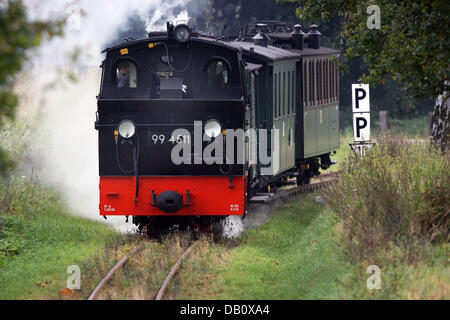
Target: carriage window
318	82
336	87
217	74
289	90
327	80
275	100
305	86
283	110
279	94
331	81
311	83
293	92
126	73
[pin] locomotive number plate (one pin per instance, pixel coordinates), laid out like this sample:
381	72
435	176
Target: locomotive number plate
161	138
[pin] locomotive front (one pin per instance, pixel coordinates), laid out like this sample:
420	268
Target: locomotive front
165	107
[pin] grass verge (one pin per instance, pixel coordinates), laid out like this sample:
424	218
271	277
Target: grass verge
40	239
393	207
293	256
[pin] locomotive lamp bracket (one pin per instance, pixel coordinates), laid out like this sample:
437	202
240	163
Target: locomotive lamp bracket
153	198
96	121
188	198
170	28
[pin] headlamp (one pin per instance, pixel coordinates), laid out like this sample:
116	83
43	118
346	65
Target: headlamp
182	33
213	128
127	129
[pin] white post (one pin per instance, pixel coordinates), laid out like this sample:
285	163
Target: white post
361	118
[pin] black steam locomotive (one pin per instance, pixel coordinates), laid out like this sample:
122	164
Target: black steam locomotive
192	126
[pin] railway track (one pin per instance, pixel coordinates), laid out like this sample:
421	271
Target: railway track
165	284
324	180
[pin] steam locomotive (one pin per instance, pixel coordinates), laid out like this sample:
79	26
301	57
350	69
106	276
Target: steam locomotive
193	127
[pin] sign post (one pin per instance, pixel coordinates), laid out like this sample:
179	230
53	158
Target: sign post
361	119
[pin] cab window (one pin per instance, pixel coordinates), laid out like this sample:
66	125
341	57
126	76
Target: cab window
126	75
217	74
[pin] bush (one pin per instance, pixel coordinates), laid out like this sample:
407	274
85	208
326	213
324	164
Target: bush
397	196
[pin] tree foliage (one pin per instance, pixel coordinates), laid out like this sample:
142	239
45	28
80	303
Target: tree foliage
412	45
17	36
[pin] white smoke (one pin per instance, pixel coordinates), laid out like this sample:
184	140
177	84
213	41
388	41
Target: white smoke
67	109
233	227
92	24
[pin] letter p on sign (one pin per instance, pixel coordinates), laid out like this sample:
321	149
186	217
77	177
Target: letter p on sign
360	98
361	127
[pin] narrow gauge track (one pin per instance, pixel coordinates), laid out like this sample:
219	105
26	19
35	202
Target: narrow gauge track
165	284
325	179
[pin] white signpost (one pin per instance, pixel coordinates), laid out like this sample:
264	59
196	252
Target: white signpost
361	119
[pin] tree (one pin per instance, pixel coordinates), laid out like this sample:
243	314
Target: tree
412	45
17	36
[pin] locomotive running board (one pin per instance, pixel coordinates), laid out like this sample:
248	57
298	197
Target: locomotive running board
261	198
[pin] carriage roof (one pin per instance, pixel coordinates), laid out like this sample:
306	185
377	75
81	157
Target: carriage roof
268	53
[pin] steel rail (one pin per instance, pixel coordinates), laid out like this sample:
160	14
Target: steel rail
111	272
287	193
173	271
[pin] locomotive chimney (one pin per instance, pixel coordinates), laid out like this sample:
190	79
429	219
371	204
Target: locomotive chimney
297	37
261	39
314	37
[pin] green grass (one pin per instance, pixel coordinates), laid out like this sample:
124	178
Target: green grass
293	256
412	128
39	239
416	127
342	153
425	279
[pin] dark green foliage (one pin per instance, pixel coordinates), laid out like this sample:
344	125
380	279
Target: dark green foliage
9	244
17	36
412	46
